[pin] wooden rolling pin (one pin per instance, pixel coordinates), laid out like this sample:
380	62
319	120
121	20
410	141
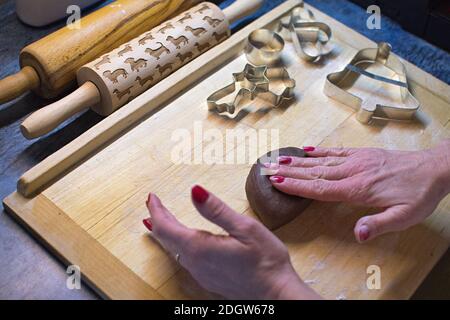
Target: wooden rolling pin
116	78
49	65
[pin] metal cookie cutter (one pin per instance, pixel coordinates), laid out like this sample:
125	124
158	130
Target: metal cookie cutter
254	82
310	37
270	96
365	112
251	80
264	47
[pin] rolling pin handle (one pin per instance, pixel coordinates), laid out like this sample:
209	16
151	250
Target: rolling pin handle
241	8
17	84
48	118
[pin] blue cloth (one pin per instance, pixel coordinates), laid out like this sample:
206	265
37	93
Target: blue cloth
408	46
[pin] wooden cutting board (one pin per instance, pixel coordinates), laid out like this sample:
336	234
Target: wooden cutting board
92	216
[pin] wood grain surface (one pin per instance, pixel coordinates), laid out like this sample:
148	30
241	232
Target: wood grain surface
104	197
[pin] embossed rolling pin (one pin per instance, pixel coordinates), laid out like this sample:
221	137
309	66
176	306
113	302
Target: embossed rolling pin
116	78
49	65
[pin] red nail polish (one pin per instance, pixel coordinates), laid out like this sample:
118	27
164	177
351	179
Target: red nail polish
277	179
308	149
364	233
285	160
148	224
199	194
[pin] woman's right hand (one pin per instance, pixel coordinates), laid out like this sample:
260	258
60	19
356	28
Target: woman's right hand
250	262
407	185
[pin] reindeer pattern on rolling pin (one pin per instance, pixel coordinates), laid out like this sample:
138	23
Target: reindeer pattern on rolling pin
134	67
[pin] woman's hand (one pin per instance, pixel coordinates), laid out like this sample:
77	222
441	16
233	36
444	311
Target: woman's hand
248	263
407	185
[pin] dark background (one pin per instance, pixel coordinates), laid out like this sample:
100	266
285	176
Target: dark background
426	18
27	270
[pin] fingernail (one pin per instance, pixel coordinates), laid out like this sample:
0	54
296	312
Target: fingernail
285	160
308	149
277	179
148	224
199	194
364	233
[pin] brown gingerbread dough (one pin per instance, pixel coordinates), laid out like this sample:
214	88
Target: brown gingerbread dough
273	207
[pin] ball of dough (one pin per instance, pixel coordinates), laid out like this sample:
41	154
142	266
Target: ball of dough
273	207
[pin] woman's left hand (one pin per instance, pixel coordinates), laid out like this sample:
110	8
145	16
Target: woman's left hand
248	263
407	185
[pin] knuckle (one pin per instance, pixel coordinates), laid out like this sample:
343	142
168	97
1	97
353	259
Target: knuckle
361	165
282	171
374	223
401	220
317	173
328	161
340	151
381	223
315	161
218	209
319	187
249	226
371	155
360	190
377	225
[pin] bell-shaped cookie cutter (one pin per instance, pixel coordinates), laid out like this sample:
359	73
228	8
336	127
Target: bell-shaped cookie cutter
365	113
254	82
303	30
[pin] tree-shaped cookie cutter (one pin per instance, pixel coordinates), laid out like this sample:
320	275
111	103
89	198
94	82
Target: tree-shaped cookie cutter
365	113
303	30
254	82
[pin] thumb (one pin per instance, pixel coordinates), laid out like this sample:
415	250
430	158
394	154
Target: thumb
370	227
216	211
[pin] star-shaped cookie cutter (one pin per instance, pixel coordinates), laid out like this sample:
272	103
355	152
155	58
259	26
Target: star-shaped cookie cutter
254	82
304	31
365	113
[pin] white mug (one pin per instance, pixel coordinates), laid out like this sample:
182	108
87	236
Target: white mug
38	13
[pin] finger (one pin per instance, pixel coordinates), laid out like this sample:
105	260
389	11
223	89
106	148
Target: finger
311	162
392	219
330	152
166	228
327	173
323	190
216	211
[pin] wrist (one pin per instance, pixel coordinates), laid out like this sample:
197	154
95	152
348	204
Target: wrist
289	286
299	290
440	157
